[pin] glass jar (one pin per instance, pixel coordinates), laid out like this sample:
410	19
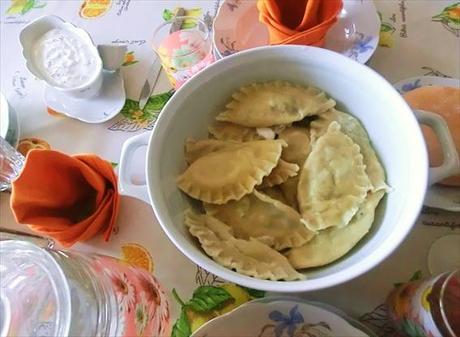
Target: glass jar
46	292
429	307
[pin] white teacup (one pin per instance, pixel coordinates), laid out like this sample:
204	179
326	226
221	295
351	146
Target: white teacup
31	33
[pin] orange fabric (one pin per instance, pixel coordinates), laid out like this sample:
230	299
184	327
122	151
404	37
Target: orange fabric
67	198
304	22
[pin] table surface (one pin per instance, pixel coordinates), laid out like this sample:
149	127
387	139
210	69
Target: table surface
420	46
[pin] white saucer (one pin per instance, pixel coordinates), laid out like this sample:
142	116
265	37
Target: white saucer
98	109
437	196
355	34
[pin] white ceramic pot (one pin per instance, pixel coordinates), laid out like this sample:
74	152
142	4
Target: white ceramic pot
392	126
35	29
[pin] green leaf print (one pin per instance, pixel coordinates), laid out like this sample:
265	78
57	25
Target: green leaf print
417	276
449	14
28	6
151	110
182	326
254	293
207	298
157	102
167	15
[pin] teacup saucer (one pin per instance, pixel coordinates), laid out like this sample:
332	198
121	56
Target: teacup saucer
98	109
437	196
355	34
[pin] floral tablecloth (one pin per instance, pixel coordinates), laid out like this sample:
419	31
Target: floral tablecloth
416	39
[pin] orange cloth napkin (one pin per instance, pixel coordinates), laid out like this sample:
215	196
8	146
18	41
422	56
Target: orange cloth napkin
67	198
304	22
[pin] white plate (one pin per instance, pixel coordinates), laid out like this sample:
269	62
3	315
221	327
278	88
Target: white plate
280	317
356	33
98	109
437	196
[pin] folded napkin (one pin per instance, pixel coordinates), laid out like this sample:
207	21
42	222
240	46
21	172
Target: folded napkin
304	22
67	198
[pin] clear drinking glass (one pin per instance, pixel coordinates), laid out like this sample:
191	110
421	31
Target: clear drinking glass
184	46
429	307
11	163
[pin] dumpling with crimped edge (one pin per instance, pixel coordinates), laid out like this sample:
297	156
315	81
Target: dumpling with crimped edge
274	103
333	243
298	141
282	172
353	128
195	149
235	132
232	173
248	257
257	215
333	182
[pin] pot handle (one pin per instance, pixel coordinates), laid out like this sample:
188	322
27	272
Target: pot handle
451	163
124	174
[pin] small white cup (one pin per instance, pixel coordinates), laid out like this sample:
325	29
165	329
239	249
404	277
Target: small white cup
35	29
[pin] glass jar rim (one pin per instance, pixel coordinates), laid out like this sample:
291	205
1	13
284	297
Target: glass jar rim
442	295
169	22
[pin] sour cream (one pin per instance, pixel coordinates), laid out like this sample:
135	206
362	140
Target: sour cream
64	59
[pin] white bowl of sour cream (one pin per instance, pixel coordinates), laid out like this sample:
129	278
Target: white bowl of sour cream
62	55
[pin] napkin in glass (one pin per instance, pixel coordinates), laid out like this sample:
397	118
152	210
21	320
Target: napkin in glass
69	198
303	22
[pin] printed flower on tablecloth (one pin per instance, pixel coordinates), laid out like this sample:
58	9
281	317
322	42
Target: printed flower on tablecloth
130	59
141	315
125	291
91	9
27	144
21	7
450	18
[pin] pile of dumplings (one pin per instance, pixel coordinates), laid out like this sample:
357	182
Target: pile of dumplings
287	182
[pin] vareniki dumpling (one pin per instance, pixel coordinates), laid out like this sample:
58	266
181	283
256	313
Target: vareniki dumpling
267	104
350	126
235	132
331	244
298	141
282	172
231	173
257	215
333	182
248	257
195	149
